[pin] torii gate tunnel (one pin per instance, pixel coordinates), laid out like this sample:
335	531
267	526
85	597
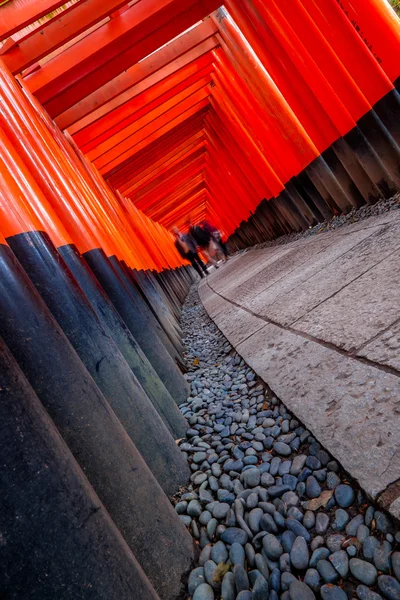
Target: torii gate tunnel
119	121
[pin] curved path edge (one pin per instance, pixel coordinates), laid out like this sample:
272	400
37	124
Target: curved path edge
347	403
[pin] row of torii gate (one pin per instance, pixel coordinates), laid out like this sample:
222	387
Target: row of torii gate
118	121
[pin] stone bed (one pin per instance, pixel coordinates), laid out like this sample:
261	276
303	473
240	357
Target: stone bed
274	515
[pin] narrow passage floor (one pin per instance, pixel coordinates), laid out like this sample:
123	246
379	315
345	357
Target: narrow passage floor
273	513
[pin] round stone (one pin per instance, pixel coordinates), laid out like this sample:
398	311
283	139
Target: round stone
251	478
194	508
203	592
313	580
341	520
313	489
196	578
363	571
340	561
272	546
260	589
396	564
334	542
237	554
327	571
319	554
181	507
282	448
220	510
241	578
300	591
389	586
219	553
228	588
321	523
382	557
364	593
299	554
297	528
234	534
332	592
344	495
309	519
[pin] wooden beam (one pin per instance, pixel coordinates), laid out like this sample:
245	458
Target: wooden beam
163	147
58	31
137	79
112	48
164	123
18	14
192	94
197	111
147	100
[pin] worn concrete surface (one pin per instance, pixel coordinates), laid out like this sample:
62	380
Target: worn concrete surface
319	320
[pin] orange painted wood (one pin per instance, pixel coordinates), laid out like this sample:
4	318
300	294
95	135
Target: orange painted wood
197	111
191	94
144	179
104	54
379	29
161	124
56	32
139	77
18	14
146	101
158	148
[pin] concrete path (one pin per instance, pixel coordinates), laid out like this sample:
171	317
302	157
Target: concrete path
319	320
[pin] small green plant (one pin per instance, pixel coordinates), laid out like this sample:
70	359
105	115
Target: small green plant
395	4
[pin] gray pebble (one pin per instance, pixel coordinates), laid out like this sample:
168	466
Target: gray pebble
194	508
299	554
204	592
300	591
220	510
272	546
313	579
327	571
241	578
321	523
352	526
234	534
332	592
228	588
309	519
237	554
396	564
196	578
389	586
363	571
364	593
209	570
340	561
344	495
260	589
219	553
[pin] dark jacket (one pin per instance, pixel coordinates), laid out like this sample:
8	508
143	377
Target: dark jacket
201	236
186	245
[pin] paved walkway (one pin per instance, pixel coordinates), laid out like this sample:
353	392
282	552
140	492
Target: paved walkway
319	320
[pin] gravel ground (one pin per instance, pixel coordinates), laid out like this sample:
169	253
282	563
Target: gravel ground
273	514
354	216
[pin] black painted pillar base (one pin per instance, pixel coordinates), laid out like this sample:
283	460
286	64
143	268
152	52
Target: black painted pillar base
150	343
129	348
98	352
95	436
58	539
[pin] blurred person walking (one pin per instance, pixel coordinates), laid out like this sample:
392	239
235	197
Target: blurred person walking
215	234
205	242
187	248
